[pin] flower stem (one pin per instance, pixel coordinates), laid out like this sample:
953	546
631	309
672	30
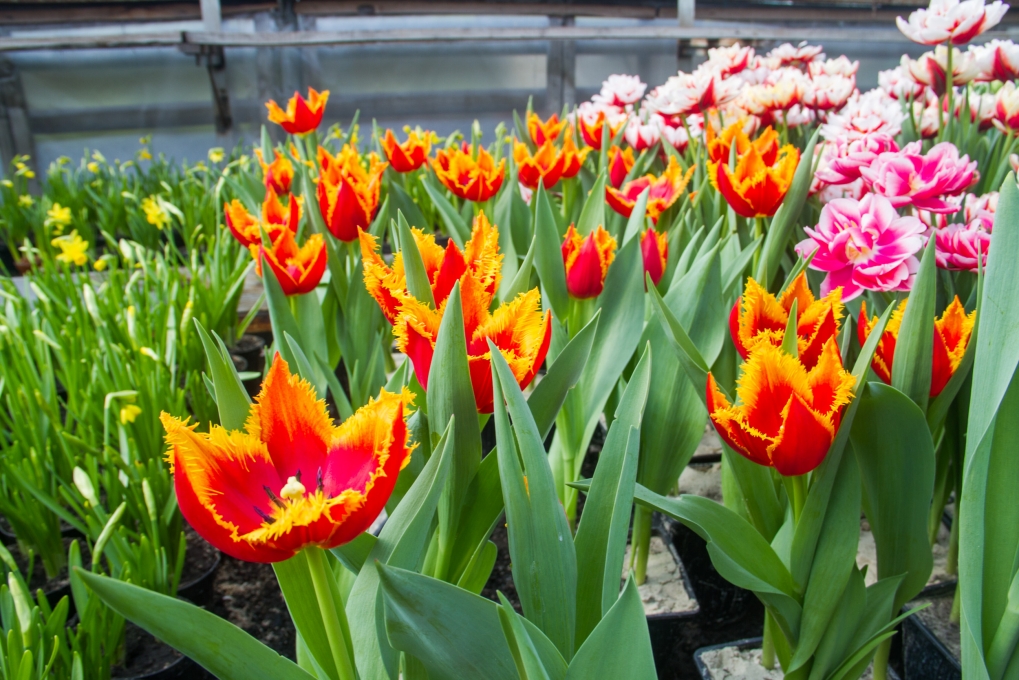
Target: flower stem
949	91
640	542
334	618
768	643
881	660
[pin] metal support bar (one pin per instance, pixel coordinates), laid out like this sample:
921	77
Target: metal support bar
15	132
561	69
212	17
216	64
685	12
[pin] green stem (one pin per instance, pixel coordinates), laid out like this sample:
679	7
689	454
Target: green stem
334	619
640	542
796	489
768	643
758	231
949	91
881	660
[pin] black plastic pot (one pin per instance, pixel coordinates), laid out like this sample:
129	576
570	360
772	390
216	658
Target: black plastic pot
744	644
720	602
674	635
924	656
181	668
201	590
252	349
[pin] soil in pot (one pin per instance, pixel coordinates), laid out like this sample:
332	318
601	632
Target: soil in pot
147	657
867	555
198	575
741	662
664	590
252	348
710	448
702	479
937	618
248	595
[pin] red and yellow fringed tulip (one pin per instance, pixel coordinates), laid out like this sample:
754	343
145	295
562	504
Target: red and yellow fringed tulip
518	328
620	163
952	333
409	155
469	178
587	261
665	191
654	247
348	194
279	174
758	318
759	182
785	415
480	260
719	146
291	478
544	131
276	217
599	132
548	164
298	269
302	115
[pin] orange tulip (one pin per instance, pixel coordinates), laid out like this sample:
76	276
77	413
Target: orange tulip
574	157
545	166
469	178
756	187
587	261
302	115
594	134
292	478
758	318
247	228
655	249
620	163
279	174
786	416
546	131
480	260
665	191
951	337
348	194
298	270
410	155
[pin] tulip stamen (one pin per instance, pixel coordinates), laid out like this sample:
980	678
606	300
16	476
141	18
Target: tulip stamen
265	517
320	483
273	497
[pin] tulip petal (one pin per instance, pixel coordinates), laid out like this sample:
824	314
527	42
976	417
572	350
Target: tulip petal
803	441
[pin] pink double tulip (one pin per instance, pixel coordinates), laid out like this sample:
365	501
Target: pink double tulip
960	247
864	245
844	159
906	177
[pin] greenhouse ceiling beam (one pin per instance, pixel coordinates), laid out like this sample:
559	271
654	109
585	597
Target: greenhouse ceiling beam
713	31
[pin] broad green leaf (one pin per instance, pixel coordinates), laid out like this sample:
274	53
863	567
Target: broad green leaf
479	569
635	224
456	227
782	223
542	553
401	544
483	504
985	562
302	366
529	661
737	550
352	555
593	214
548	256
280	314
232	399
294	577
308	312
521	281
418	284
402	202
218	645
834	561
450	392
601	536
914	347
502	218
454	633
620	646
896	459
